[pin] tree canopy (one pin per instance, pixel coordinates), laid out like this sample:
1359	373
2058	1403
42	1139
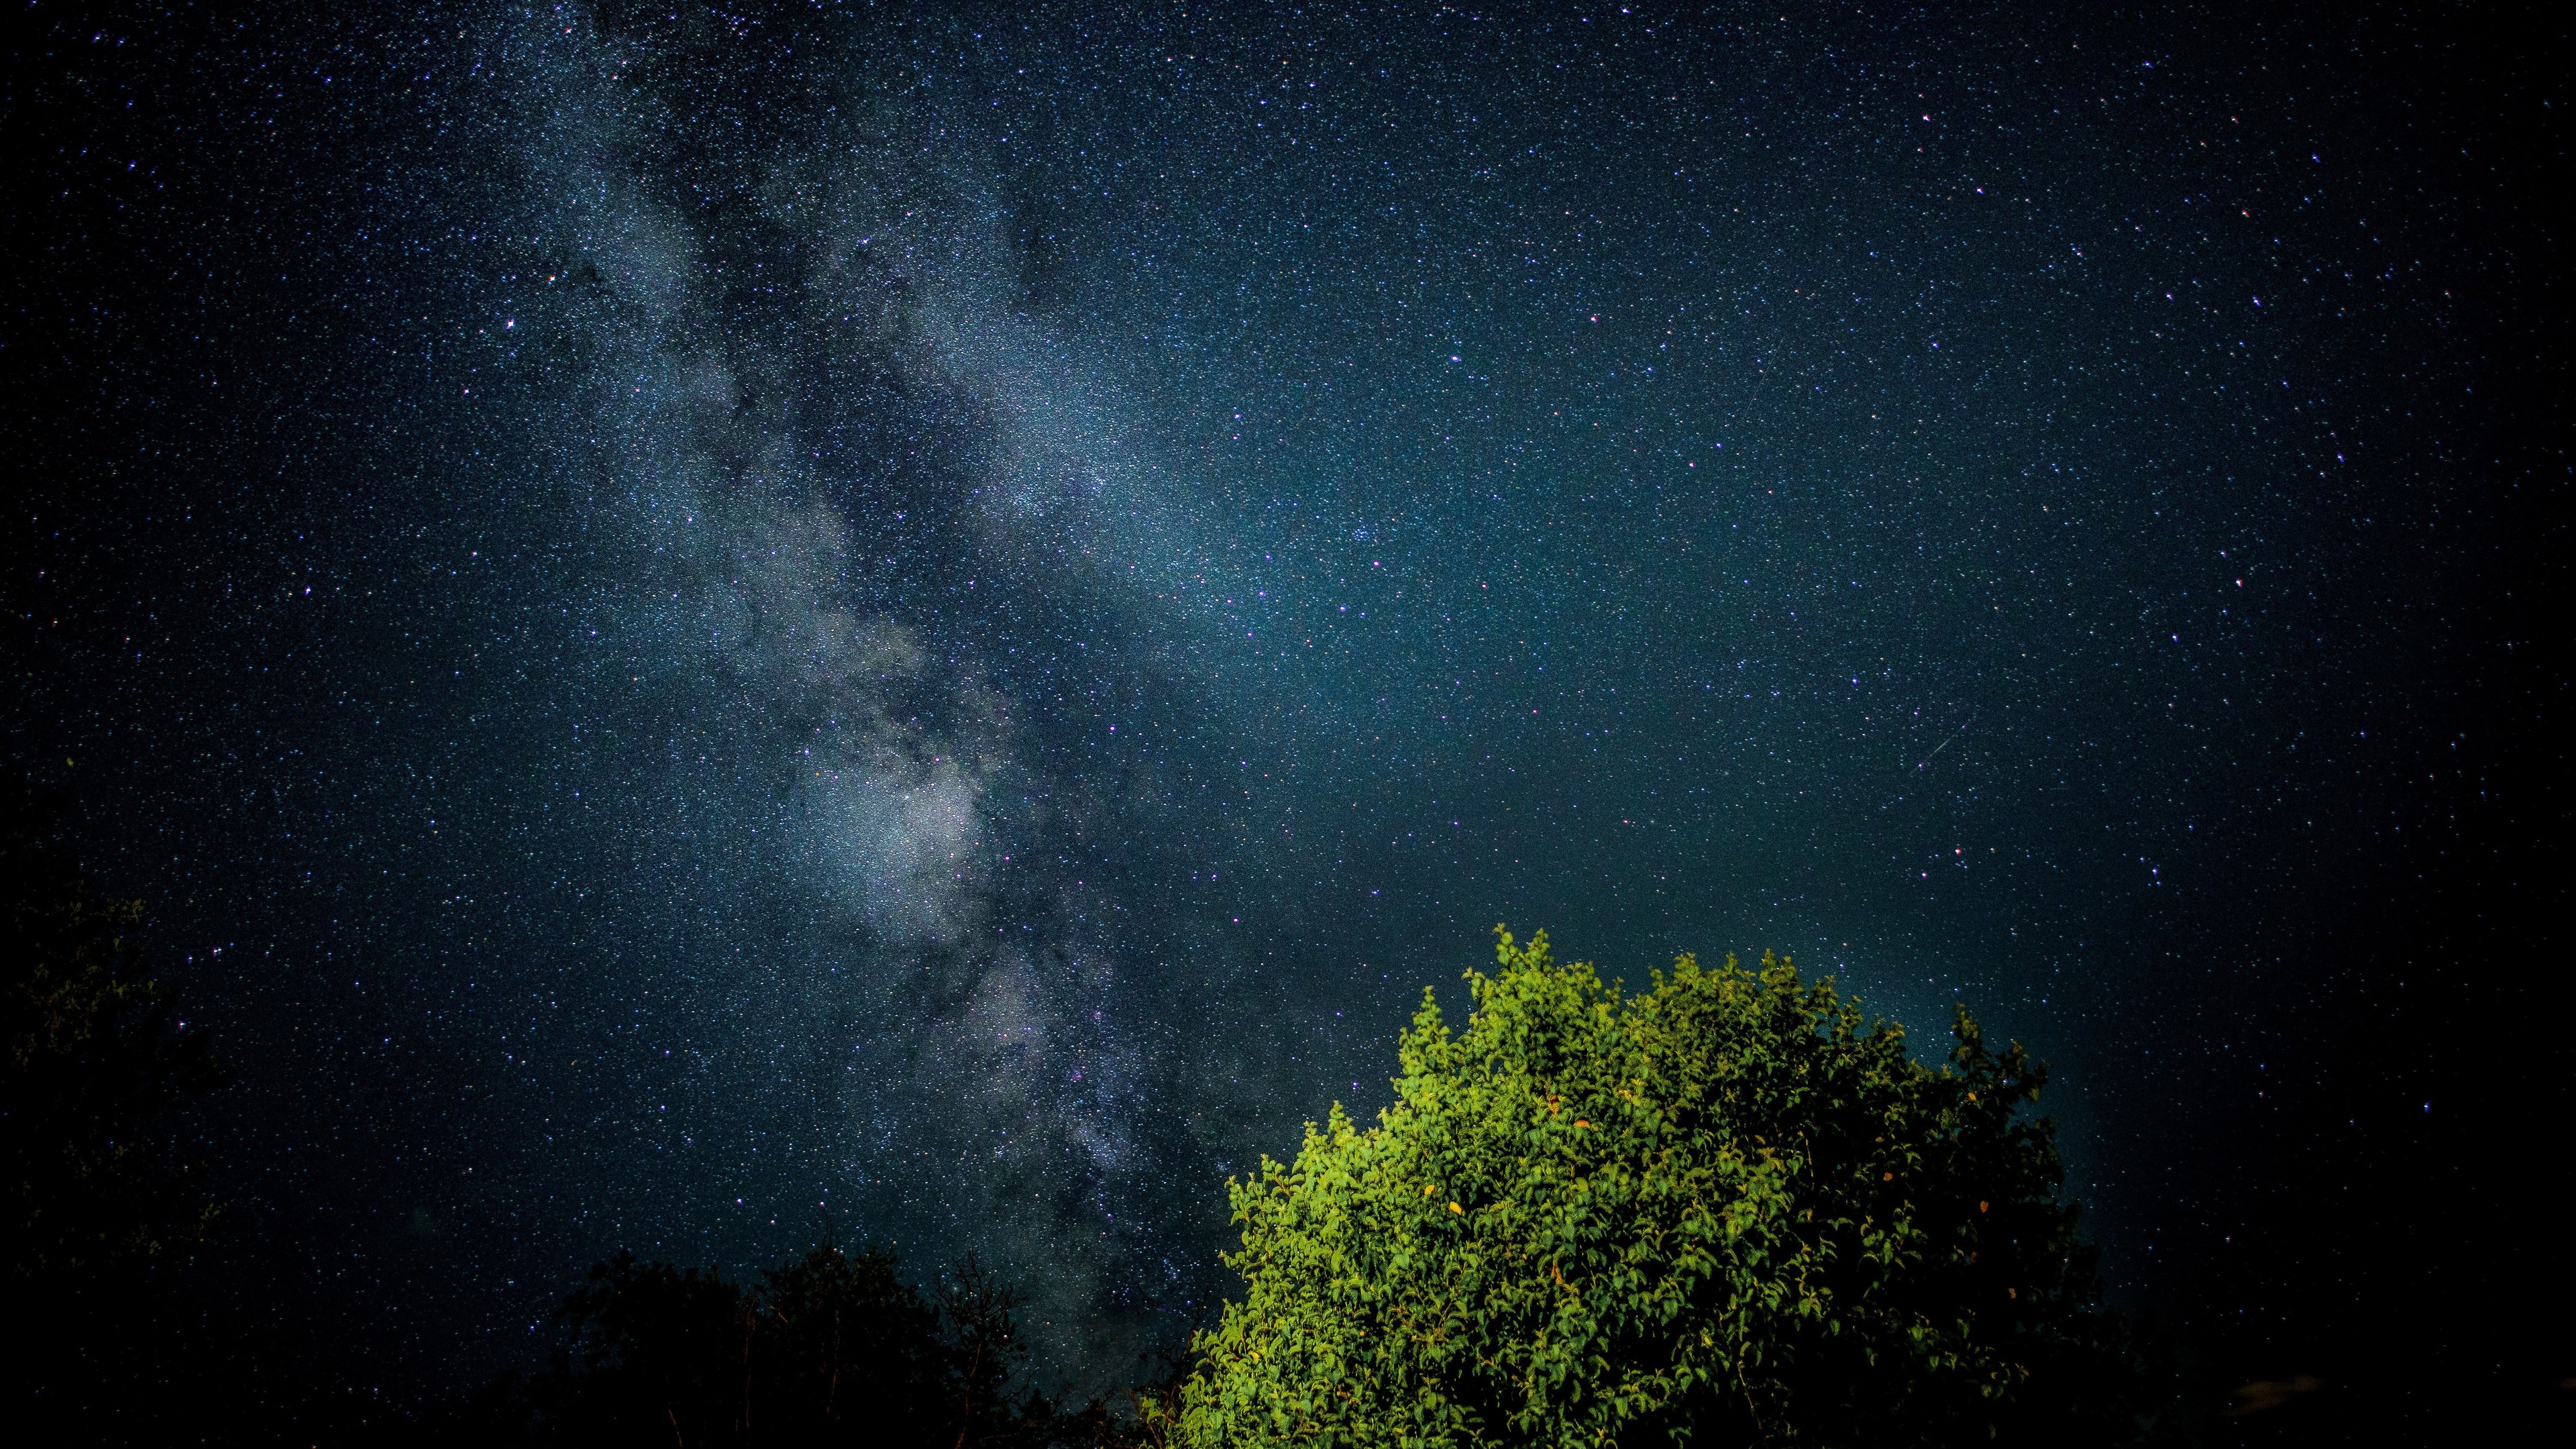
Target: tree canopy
1728	1209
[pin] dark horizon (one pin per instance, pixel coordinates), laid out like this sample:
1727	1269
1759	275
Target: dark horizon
694	624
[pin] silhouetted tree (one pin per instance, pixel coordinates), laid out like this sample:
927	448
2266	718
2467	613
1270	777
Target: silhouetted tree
659	1354
834	1349
845	1342
92	1062
99	1202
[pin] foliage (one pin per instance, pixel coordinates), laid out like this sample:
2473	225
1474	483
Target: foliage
1726	1208
834	1349
91	1066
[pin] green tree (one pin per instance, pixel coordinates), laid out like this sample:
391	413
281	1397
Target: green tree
1728	1209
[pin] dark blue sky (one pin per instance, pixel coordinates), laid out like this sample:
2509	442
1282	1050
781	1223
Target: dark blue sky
686	617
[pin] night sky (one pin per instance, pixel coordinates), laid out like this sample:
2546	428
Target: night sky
695	623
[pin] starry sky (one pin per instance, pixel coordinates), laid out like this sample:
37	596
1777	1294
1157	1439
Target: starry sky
699	624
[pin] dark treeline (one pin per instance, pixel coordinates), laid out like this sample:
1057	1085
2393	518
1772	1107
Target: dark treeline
836	1348
142	1324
